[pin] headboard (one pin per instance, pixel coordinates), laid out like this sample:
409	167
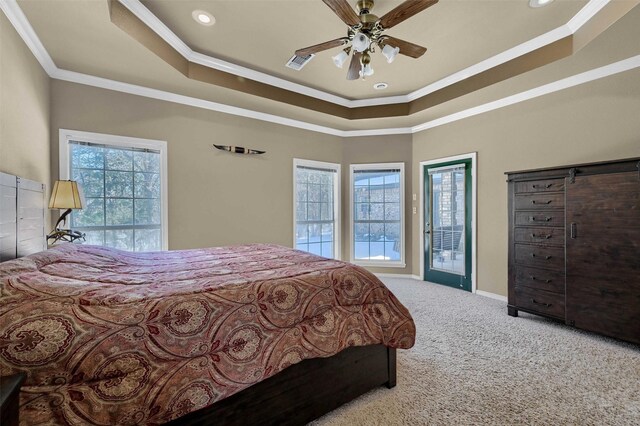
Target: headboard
22	210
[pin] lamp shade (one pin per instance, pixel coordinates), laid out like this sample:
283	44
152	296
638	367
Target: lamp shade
65	195
340	58
360	42
390	52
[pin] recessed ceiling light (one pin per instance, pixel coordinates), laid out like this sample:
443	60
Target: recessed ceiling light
539	3
380	86
203	17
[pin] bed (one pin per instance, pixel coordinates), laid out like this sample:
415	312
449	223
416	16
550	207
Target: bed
112	337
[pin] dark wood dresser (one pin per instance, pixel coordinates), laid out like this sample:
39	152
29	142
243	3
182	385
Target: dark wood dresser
574	245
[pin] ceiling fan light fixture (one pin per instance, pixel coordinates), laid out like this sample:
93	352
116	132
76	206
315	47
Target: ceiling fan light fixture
390	52
340	58
539	3
203	17
366	71
360	42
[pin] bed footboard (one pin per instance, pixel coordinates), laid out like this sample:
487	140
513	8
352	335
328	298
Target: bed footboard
305	391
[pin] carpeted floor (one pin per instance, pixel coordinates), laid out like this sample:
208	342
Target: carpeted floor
475	365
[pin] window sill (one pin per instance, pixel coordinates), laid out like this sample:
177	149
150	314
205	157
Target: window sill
374	264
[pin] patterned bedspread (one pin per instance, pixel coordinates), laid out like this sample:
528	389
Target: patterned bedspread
110	337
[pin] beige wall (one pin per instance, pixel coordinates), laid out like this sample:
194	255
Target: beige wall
24	109
215	198
597	121
377	149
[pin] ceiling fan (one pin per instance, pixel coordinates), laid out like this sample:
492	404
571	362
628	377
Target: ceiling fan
366	31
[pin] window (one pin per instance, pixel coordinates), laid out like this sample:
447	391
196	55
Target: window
123	181
317	207
377	214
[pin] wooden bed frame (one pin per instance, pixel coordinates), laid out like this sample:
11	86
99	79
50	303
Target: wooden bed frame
304	391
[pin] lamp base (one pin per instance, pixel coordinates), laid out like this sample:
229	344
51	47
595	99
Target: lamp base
64	235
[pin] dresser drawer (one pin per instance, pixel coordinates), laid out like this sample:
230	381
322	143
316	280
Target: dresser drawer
538	256
539	201
540	186
541	218
542	279
540	301
546	236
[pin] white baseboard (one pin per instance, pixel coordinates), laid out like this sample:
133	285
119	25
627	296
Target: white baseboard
491	295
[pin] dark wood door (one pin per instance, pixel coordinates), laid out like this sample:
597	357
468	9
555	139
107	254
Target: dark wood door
603	254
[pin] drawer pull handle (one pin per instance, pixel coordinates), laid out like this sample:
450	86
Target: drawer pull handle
547	186
545	257
541	237
533	278
546	305
541	202
544	219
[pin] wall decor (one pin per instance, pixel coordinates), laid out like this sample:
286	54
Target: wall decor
238	149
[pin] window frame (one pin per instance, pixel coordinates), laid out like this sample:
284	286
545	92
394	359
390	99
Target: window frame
377	263
65	136
337	205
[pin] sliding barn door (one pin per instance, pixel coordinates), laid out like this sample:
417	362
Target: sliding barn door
603	254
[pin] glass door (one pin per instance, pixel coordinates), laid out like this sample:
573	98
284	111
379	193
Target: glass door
447	224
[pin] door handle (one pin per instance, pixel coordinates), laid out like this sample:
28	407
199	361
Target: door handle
574	230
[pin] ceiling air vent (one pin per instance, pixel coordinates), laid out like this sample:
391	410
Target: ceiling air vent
298	62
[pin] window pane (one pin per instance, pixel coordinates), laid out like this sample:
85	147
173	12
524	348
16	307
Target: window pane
91	181
314	193
118	184
94	238
119	159
327	232
361	232
148	240
146	162
327	250
326	211
361	194
315	231
301	233
315	249
147	212
147	185
120	238
92	214
361	211
313	211
89	157
361	250
119	212
377	211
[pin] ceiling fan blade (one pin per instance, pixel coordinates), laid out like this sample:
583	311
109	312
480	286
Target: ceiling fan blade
354	67
406	48
405	11
322	46
344	11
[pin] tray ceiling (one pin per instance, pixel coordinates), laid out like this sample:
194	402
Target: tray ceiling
263	35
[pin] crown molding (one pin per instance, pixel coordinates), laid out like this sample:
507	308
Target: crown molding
26	32
148	18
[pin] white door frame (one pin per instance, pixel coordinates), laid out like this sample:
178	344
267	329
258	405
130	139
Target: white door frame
474	211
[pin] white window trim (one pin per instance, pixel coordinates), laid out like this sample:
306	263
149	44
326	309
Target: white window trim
65	136
337	207
378	263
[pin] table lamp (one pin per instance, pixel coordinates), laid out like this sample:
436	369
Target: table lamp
65	195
